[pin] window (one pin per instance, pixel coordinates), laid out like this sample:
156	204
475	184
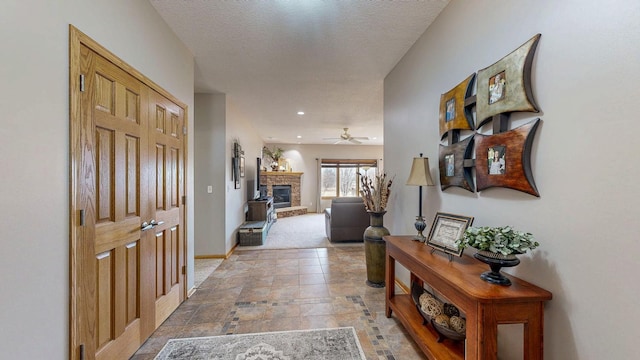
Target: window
342	177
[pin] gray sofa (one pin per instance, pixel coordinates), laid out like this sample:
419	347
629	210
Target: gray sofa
346	219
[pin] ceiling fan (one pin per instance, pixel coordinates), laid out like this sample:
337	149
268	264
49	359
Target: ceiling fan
347	137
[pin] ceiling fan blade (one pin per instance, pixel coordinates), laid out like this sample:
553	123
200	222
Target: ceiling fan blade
360	138
337	142
353	140
333	139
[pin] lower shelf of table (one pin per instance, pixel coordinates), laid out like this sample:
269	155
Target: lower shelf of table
424	335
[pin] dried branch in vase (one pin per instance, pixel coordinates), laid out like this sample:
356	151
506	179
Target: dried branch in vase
375	192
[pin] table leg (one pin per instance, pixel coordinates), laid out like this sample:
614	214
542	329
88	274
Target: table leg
390	281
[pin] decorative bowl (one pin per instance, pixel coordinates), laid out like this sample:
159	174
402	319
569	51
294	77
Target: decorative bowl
416	292
446	333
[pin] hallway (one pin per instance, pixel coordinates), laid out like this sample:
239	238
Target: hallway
289	289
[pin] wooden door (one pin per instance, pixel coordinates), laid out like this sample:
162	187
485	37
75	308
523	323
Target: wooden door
127	181
166	197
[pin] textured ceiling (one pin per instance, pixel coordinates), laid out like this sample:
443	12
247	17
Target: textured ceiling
275	58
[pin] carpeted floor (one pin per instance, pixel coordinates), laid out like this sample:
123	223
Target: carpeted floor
299	232
316	344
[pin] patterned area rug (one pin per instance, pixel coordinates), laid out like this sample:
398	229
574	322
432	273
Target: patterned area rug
320	344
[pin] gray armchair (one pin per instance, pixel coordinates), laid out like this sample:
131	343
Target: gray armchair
346	219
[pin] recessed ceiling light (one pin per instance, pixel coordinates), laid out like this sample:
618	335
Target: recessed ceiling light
299	136
300	112
374	138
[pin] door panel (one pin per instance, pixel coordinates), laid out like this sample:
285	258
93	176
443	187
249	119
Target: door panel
113	100
165	142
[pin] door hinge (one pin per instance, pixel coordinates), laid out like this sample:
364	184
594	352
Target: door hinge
81	355
81	82
82	217
184	269
184	199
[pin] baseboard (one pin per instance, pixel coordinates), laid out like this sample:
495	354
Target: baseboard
210	257
403	286
191	292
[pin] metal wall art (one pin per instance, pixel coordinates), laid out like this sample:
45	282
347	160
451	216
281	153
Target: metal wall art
453	171
505	86
237	164
503	158
454	114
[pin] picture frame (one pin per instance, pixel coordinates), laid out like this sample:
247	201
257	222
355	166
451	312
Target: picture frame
445	230
459	172
242	166
235	172
455	113
514	153
505	86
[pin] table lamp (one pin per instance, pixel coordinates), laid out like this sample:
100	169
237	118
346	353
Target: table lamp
420	176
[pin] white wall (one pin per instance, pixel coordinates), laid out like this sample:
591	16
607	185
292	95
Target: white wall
302	158
238	128
585	77
219	214
210	170
34	144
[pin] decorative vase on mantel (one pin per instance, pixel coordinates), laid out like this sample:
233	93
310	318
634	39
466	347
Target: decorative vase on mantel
375	249
496	261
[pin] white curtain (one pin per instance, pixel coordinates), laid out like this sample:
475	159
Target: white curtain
319	186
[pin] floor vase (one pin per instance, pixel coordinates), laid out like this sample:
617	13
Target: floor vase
375	249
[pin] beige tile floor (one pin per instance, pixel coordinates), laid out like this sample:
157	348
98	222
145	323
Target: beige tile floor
291	289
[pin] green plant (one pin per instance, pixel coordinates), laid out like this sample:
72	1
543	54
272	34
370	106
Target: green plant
274	154
500	240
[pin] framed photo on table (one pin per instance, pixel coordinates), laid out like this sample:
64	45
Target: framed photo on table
446	230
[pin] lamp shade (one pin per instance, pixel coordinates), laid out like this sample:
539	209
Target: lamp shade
420	174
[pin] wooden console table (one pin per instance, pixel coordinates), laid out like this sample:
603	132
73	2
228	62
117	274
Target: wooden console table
485	305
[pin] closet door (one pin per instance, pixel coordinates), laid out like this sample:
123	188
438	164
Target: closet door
114	192
127	215
166	169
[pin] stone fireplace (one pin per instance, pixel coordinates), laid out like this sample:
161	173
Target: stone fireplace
281	181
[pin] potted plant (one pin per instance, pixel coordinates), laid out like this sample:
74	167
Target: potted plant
274	155
497	247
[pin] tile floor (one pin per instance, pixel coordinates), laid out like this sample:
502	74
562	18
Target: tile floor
290	289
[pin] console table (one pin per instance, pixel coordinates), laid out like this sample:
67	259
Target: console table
485	305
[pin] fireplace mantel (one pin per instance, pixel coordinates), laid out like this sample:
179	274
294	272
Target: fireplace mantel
281	173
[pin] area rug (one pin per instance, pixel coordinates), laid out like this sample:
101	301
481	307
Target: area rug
318	344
